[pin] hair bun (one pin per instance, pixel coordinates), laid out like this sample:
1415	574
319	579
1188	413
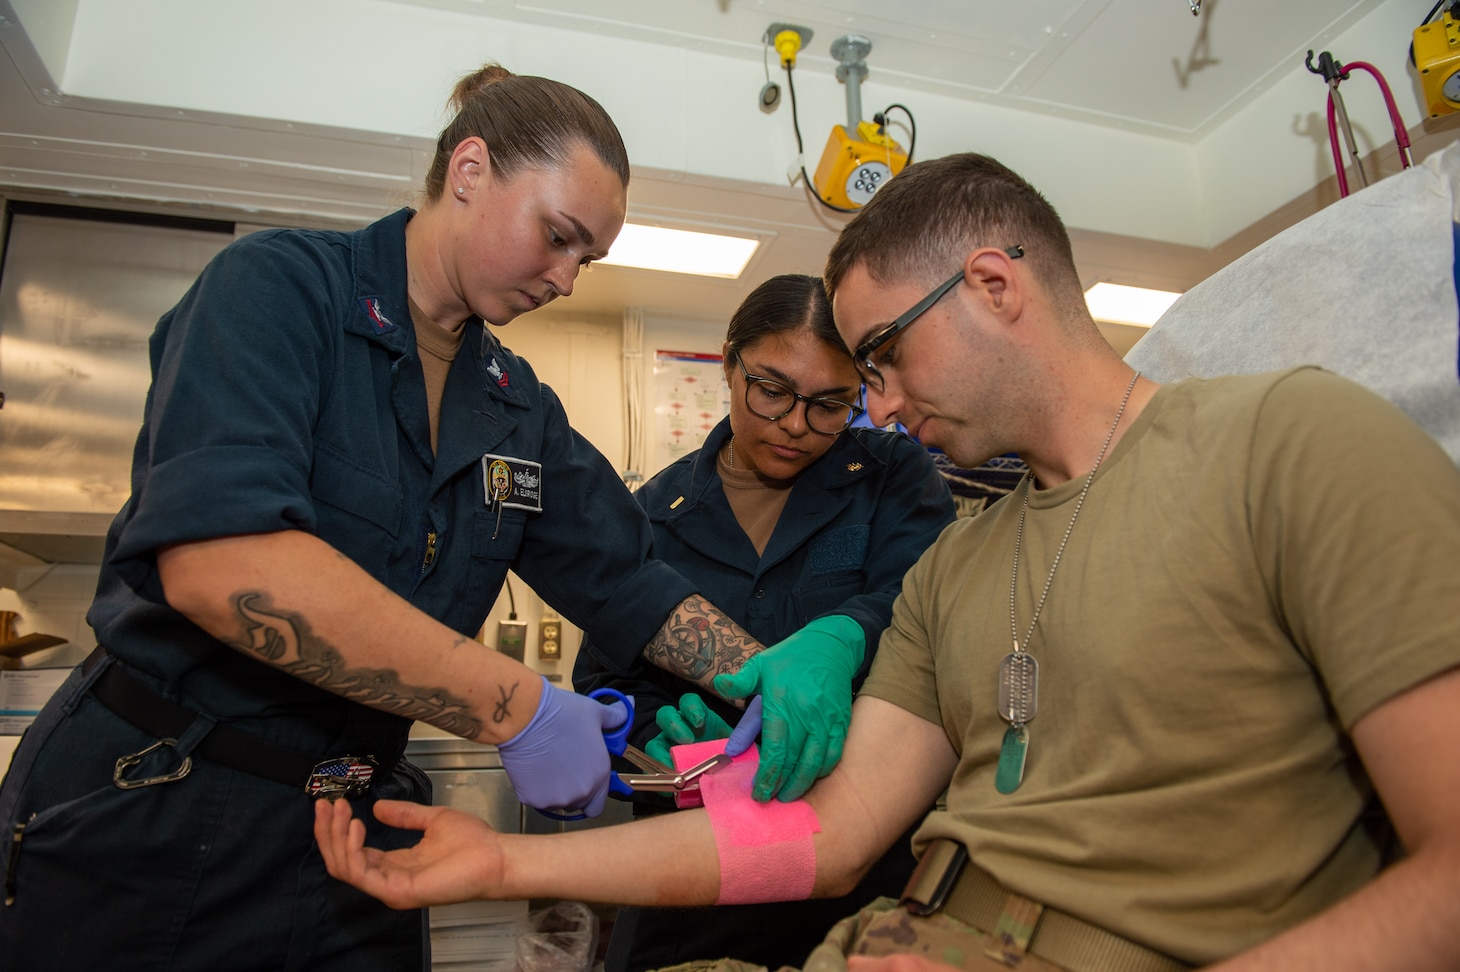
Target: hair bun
524	121
489	73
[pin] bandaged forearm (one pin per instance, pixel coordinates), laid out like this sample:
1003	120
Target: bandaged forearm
766	849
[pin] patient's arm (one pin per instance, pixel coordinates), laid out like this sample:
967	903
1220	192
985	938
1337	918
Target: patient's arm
894	767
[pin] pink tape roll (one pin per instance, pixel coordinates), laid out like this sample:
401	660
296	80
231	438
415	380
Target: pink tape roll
766	849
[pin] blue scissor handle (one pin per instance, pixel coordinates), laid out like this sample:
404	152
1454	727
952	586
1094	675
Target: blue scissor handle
617	740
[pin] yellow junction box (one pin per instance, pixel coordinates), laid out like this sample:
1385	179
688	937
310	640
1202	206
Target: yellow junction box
1437	56
852	169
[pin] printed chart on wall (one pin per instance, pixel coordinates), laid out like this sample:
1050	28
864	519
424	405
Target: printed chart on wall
689	399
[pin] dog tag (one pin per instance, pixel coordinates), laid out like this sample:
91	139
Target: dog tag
1011	759
1018	687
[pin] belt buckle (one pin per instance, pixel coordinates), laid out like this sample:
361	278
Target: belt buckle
343	776
936	873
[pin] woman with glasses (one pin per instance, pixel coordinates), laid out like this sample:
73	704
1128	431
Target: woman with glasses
800	528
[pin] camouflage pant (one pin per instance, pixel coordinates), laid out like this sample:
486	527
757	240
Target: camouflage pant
883	928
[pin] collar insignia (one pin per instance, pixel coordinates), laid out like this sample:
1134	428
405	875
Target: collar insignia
371	306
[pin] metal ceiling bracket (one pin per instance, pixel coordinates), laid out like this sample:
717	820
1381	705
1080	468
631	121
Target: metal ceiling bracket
851	51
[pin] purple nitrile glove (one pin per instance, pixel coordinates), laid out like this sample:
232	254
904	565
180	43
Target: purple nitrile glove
745	730
559	761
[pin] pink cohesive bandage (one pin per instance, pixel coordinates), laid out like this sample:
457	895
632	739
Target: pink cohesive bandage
766	851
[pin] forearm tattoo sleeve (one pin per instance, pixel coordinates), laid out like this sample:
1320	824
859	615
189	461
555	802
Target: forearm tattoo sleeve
698	642
285	640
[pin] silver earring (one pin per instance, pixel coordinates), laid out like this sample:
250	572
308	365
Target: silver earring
460	191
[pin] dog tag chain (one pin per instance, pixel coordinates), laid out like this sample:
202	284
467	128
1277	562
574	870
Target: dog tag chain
1018	695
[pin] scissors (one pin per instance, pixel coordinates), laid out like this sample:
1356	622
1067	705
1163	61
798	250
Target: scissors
656	778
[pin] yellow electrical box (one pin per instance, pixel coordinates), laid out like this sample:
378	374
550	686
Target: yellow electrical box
1437	56
852	168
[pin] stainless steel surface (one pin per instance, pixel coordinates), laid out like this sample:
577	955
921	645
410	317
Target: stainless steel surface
451	753
79	299
468	776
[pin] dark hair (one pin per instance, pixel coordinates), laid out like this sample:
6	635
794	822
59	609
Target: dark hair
783	303
922	223
525	121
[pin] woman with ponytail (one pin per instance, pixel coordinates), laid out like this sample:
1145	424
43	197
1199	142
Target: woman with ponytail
338	464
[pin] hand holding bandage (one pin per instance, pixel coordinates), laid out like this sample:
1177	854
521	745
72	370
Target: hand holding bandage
806	685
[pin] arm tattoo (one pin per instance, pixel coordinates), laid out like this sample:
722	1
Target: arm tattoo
698	642
500	712
285	640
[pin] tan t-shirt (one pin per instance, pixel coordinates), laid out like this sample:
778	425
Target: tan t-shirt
1260	561
437	347
756	503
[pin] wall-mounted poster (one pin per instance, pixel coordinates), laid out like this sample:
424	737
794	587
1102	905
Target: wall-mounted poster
690	398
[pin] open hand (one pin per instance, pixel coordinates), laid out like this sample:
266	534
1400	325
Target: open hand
458	858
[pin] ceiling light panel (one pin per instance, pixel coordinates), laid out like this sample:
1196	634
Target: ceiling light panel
681	251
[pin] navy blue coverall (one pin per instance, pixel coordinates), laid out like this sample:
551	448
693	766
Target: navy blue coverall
288	394
855	521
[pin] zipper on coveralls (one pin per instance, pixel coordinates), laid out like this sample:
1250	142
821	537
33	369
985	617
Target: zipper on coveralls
12	858
429	557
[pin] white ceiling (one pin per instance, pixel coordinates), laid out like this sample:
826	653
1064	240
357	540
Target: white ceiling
1158	135
1140	65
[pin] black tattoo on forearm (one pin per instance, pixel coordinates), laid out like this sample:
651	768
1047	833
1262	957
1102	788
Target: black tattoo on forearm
500	712
284	639
698	642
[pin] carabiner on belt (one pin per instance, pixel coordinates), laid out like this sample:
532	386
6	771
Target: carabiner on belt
127	762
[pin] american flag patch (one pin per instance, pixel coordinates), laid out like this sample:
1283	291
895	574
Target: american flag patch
347	776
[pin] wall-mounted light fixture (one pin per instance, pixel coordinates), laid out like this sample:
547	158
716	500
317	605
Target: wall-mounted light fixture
1118	304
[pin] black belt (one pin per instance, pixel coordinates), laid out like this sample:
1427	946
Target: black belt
347	776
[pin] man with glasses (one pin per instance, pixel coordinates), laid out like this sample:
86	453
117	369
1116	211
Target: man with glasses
1172	683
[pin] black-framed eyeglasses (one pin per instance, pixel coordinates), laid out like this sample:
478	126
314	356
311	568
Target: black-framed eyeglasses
771	400
871	376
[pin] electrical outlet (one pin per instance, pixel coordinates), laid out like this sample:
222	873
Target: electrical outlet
512	638
550	639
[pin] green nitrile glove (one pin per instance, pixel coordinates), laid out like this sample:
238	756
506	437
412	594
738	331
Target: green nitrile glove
689	722
806	685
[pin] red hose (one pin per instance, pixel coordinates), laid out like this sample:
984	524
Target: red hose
1401	136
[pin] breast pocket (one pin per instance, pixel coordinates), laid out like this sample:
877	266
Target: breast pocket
497	538
495	546
835	571
359	511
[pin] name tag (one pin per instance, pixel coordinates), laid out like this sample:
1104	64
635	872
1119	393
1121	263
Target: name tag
509	481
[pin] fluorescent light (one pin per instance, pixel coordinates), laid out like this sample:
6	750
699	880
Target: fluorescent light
680	251
1118	304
